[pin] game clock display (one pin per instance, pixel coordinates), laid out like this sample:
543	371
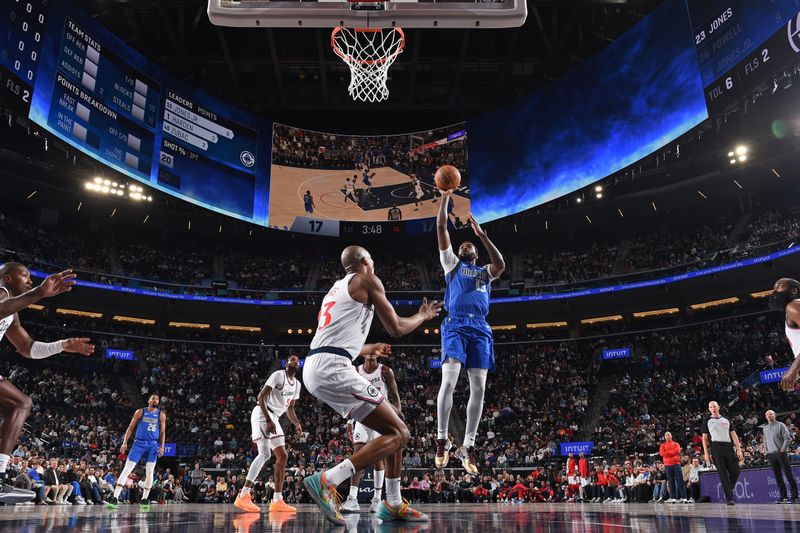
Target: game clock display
372	229
21	32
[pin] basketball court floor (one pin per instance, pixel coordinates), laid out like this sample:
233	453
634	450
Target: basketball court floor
507	518
389	187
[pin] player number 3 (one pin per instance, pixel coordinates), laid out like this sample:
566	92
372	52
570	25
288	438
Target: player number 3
324	318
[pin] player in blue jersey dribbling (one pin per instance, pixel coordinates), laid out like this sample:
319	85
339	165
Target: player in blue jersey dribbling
149	425
466	336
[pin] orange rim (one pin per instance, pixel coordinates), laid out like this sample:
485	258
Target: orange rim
339	52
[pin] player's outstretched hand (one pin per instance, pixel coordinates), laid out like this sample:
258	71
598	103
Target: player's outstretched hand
430	310
789	380
78	345
161	451
123	447
381	349
299	430
56	284
475	226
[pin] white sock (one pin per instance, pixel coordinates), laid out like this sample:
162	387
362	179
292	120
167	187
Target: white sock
117	491
145	493
379	484
477	388
444	401
354	492
4	459
340	472
277	496
393	492
245	490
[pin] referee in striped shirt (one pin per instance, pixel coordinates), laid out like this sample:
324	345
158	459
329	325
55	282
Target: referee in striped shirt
720	439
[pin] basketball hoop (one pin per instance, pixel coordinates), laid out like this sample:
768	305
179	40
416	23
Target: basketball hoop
368	52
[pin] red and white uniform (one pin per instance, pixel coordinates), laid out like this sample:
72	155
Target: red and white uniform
361	433
793	335
329	374
284	391
5	322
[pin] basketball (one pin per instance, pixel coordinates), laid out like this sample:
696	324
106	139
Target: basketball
447	178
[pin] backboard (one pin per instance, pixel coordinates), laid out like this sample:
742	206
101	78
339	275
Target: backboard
368	14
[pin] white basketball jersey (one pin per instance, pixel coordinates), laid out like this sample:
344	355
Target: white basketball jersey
793	335
342	322
5	322
375	378
284	390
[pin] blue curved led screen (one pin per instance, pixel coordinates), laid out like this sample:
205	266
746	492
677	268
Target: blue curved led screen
638	94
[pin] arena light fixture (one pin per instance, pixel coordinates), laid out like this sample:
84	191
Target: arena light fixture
599	195
776	173
133	320
741	150
506	327
742	158
761	294
598	188
702	195
310	331
733	161
76	312
602	319
657	312
249	329
289	331
620	213
189	325
36	307
730	154
436	331
427	331
738	184
714	303
546	325
578	200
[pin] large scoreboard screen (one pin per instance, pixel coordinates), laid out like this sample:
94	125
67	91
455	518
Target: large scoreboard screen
100	96
740	43
22	26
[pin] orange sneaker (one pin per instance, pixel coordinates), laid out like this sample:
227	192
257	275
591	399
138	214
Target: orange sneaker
245	503
281	506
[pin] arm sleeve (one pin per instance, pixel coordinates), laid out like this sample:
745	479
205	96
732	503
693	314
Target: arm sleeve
448	259
731	428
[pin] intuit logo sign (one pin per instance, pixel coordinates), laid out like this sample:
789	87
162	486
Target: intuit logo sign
576	448
771	376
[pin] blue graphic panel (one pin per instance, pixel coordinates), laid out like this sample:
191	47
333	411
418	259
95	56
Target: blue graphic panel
638	94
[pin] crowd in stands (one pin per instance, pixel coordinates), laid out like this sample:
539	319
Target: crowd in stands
189	270
541	394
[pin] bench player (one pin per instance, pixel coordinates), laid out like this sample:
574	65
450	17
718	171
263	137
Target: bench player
16	293
466	336
150	427
343	325
382	378
279	395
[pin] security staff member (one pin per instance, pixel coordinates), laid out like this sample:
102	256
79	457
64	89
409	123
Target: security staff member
720	439
776	442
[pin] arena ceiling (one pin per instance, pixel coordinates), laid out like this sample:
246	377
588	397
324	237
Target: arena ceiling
444	76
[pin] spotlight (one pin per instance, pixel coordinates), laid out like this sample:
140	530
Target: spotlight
598	188
289	331
149	198
742	158
741	150
106	182
310	331
98	180
89	185
733	161
578	200
599	195
730	154
427	331
104	190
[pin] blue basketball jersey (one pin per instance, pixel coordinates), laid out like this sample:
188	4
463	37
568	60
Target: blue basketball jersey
468	290
149	428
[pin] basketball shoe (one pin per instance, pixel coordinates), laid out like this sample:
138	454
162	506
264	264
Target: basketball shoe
443	447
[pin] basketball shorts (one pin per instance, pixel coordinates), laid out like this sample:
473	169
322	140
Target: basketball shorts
362	434
259	431
469	340
334	380
146	451
572	480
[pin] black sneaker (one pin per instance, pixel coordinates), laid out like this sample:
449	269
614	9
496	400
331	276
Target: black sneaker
782	501
12	495
730	502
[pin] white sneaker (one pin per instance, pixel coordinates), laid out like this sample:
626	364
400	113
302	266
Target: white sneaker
373	506
350	506
671	500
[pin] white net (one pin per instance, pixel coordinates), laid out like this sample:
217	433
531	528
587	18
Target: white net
369	53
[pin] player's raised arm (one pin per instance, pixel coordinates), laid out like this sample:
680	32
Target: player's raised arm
397	326
442	234
498	264
53	285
